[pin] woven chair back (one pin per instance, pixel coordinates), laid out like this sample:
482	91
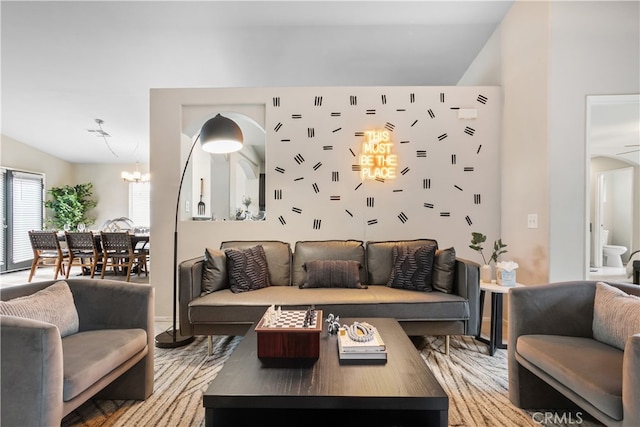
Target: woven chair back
81	241
44	240
116	242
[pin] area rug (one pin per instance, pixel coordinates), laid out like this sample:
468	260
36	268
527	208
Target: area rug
476	383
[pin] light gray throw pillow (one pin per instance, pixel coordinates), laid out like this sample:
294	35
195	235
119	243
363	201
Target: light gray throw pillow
616	315
54	304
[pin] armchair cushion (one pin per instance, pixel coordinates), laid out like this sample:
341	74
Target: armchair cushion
53	304
332	274
616	315
214	274
444	267
247	269
412	268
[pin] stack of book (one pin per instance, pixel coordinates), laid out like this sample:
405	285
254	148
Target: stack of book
373	350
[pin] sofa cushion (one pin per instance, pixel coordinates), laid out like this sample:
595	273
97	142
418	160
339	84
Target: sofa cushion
278	255
346	250
588	368
91	355
616	315
444	264
412	267
214	272
379	258
53	304
332	274
247	269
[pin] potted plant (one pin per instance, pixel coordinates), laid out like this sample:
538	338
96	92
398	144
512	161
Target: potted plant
71	205
477	239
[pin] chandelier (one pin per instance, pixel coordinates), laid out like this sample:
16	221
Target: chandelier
135	176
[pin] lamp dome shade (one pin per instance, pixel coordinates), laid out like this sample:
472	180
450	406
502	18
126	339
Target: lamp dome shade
220	135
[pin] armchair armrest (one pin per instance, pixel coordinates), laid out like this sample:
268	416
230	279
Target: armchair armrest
466	283
631	381
31	372
190	287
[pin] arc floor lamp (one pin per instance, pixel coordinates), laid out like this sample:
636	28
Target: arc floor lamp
219	135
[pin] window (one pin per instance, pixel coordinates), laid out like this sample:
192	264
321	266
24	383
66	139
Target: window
139	202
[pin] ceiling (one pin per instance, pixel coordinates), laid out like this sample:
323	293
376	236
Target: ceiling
66	64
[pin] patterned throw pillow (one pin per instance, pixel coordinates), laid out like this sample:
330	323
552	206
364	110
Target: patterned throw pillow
332	274
54	304
443	270
616	315
412	268
247	269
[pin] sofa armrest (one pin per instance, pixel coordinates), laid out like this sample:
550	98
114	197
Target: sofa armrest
190	287
631	381
31	372
109	304
466	283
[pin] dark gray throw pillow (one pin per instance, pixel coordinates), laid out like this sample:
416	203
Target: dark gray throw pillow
214	272
443	270
412	268
332	274
247	269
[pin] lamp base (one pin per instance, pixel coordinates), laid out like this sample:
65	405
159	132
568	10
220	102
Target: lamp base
172	339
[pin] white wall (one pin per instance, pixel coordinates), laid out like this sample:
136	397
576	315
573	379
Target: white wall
313	192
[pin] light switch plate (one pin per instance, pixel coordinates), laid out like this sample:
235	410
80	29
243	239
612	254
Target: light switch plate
532	221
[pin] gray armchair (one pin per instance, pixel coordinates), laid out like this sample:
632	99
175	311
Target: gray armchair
555	363
44	377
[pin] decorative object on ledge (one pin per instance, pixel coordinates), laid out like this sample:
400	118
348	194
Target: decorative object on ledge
135	176
218	136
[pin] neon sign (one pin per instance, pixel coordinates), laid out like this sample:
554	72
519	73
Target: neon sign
376	158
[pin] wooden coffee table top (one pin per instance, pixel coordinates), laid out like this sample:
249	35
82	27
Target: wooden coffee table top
403	382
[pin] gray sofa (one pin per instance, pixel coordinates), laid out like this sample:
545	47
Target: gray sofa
556	362
45	376
215	310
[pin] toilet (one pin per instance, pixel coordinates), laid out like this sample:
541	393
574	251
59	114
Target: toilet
612	254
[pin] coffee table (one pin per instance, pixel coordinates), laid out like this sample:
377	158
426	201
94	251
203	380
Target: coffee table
401	392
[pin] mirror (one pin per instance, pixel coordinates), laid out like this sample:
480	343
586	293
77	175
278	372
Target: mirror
231	187
613	162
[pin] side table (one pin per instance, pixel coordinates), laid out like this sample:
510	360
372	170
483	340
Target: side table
495	333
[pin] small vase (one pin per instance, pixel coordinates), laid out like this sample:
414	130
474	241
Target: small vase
486	273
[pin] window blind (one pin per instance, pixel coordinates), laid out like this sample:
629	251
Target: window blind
139	203
26	192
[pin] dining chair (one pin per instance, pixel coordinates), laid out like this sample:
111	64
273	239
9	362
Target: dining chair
118	252
83	252
46	252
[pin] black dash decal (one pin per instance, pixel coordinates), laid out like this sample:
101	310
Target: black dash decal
349	213
404	171
285	140
370	202
469	131
336	130
454	108
404	142
442	137
336	198
428	205
318	101
445	213
421	153
336	114
353	100
453	159
299	179
311	132
316	224
371	111
316	188
281	219
468	218
327	147
476	199
278	126
372	222
441	96
297	210
478	150
335	176
296	116
458	187
356	168
277	194
384	99
317	166
358	134
276	101
390	126
414	122
357	186
380	179
279	169
299	159
352	153
469	169
431	114
426	183
401	110
398	190
482	99
403	217
412	98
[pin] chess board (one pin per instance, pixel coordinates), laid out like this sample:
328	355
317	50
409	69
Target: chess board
285	336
